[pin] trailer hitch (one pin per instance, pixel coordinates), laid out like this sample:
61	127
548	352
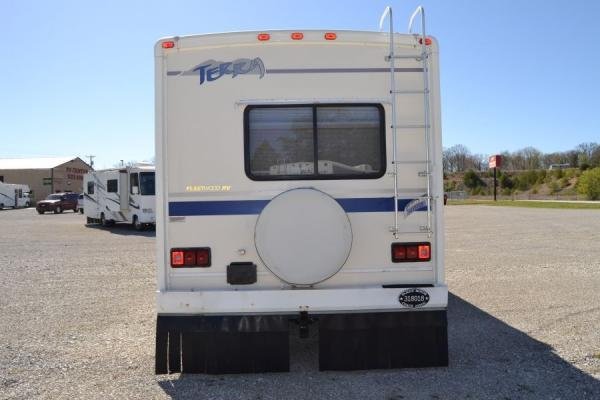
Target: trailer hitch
303	322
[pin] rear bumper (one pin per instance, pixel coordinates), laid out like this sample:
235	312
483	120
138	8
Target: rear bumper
314	301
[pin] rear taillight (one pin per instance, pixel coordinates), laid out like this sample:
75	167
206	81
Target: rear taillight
411	252
190	258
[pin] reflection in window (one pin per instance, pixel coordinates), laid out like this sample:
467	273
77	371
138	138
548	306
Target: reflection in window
281	141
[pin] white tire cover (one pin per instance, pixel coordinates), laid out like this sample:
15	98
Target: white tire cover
303	236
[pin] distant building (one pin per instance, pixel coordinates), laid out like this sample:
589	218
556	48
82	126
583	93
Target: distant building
45	175
558	166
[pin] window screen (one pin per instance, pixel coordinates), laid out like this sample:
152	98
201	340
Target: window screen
314	142
112	185
90	187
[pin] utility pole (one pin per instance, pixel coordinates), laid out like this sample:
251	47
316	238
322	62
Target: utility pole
91	160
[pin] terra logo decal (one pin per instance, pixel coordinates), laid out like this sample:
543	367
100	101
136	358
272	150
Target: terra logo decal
211	70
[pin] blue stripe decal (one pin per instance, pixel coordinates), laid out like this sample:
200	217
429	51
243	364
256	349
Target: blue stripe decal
254	207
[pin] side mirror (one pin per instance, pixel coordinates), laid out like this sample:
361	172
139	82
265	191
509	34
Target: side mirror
135	190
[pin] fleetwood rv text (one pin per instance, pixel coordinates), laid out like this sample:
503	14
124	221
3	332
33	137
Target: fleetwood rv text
299	178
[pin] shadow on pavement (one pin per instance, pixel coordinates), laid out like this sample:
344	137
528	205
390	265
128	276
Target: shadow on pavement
488	359
124	229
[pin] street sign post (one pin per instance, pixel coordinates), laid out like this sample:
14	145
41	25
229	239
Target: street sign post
495	162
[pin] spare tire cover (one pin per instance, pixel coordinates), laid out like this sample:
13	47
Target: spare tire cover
303	236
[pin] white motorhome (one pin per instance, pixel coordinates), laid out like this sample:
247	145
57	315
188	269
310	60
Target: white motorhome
14	195
299	179
120	195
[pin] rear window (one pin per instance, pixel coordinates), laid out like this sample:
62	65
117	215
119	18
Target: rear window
314	142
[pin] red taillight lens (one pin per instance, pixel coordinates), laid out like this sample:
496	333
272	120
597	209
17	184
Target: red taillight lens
411	252
168	44
177	258
263	37
203	257
188	258
398	253
297	36
424	252
428	41
330	36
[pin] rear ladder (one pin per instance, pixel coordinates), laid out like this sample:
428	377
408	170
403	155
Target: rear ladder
394	91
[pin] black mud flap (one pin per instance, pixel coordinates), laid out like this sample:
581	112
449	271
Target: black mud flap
383	340
222	344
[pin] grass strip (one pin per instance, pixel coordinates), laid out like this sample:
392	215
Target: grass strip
529	204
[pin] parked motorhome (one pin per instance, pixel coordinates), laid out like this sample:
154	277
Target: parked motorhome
299	179
14	195
120	195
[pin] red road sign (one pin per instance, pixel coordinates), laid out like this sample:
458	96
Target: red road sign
495	161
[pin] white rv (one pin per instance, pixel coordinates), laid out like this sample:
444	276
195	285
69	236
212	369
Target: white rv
14	195
299	179
120	195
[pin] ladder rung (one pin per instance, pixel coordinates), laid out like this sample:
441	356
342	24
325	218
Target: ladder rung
404	57
409	91
415	126
424	229
412	162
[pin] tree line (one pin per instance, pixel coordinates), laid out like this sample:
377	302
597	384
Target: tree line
459	158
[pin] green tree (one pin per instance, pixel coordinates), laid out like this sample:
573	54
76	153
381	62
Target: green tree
589	184
472	180
506	182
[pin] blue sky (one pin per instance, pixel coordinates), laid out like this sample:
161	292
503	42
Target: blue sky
76	77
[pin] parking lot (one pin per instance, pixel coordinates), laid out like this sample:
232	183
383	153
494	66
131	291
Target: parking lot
77	316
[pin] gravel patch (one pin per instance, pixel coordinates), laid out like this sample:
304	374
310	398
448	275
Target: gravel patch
77	316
